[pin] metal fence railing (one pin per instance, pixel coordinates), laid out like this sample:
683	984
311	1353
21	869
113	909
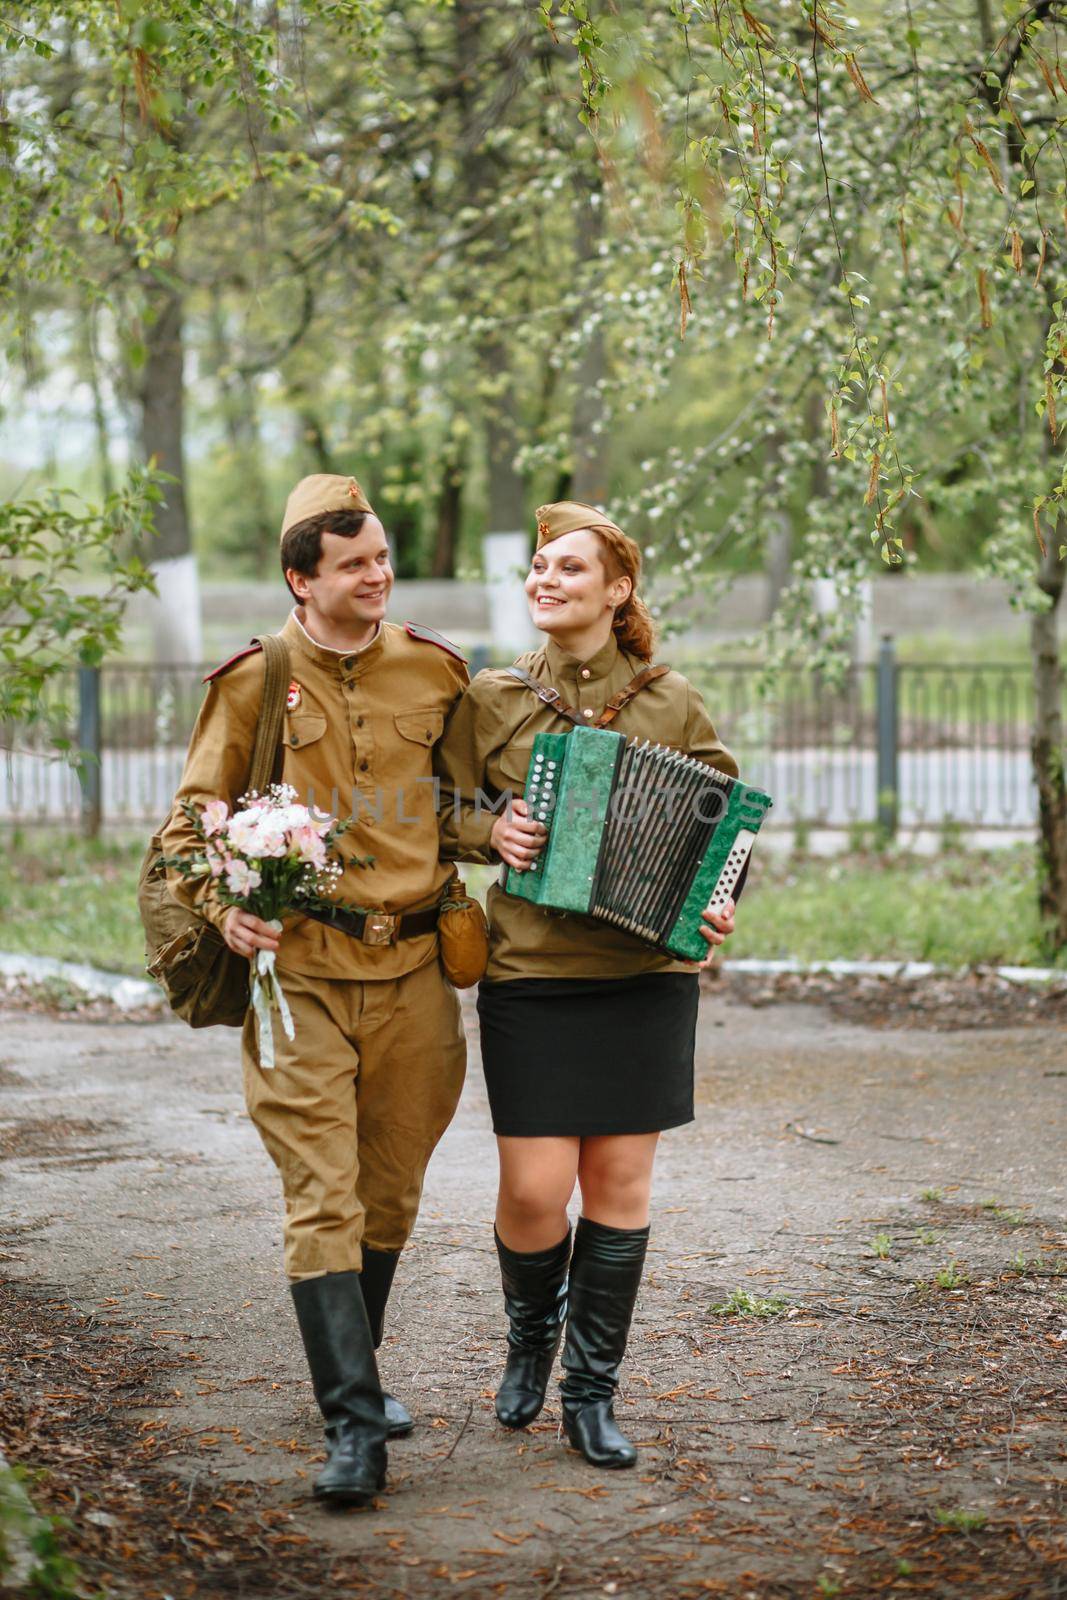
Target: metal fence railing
897	743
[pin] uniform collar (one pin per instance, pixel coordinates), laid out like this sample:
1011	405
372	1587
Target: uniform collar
562	664
335	661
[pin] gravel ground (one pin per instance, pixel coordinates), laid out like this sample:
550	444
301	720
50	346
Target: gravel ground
876	1193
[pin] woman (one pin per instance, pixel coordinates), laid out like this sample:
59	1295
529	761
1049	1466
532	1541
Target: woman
587	1032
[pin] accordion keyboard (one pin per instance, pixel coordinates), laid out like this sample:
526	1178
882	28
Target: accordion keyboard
732	869
542	787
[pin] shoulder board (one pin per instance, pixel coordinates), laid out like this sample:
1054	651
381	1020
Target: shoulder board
427	635
249	650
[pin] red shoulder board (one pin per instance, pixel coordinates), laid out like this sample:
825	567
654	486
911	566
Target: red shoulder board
427	635
249	650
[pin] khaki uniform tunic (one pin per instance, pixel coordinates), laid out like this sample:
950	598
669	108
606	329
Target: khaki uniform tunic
355	1104
359	743
488	745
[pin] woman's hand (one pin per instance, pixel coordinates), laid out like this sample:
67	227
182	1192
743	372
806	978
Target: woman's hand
517	839
245	934
718	925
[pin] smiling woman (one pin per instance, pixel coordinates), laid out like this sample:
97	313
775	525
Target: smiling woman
587	1032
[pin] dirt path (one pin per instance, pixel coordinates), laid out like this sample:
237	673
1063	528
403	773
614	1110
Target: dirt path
882	1432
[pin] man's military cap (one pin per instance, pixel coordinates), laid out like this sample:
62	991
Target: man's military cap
323	491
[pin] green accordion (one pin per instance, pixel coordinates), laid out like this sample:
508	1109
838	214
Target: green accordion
639	836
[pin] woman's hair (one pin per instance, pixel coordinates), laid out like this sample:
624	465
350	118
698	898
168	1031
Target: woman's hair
634	630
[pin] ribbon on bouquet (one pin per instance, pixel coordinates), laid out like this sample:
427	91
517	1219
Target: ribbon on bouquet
267	996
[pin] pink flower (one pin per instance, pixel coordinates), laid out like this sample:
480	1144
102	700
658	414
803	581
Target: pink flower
308	844
213	817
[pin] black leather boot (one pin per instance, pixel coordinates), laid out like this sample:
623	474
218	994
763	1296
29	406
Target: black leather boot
605	1274
376	1280
344	1374
535	1299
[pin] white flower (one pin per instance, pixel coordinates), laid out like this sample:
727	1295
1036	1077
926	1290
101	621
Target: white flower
242	829
269	837
241	878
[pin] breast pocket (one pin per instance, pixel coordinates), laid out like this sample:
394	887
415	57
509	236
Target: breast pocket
420	727
304	727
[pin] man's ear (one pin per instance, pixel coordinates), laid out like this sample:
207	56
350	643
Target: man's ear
297	582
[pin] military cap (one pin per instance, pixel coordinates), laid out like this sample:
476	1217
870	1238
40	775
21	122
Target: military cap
567	516
323	491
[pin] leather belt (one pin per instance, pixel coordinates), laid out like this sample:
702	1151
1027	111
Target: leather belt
379	927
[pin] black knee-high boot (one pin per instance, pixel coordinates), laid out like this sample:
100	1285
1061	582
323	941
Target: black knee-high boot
376	1280
605	1274
535	1299
344	1374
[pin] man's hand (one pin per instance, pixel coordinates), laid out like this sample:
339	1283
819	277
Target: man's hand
517	840
718	927
245	934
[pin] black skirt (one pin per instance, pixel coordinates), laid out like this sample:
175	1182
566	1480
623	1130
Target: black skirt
586	1056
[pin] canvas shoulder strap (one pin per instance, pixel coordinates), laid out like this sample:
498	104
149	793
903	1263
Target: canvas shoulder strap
552	697
271	711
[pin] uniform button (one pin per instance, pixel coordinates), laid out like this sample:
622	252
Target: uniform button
363	766
348	663
586	672
295	739
359	722
587	713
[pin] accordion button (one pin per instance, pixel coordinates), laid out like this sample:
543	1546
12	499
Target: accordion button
587	712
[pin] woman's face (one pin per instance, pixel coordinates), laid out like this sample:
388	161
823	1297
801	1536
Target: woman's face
568	588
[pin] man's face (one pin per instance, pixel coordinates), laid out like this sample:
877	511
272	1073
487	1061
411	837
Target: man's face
354	580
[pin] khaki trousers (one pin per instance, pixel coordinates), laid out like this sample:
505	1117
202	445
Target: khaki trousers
353	1108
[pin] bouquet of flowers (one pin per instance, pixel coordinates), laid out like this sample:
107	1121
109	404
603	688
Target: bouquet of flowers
270	857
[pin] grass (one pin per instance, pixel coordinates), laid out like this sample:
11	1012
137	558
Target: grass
67	897
739	1303
72	898
957	909
961	1521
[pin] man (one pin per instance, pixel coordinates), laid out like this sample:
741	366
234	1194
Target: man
357	1101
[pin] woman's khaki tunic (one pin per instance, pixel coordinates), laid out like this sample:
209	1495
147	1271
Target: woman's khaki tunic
487	746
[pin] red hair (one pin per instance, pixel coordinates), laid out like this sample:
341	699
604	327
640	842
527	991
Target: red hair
634	630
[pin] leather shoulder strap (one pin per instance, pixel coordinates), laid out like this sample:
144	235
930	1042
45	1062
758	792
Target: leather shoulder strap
271	710
551	697
548	697
624	696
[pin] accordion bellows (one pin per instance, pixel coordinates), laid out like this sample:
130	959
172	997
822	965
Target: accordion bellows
639	836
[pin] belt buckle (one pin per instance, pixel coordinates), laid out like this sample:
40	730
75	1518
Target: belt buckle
379	928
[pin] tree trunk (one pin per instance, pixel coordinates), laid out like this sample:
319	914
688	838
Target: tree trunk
176	622
449	515
1047	749
240	417
312	434
779	544
589	443
100	428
